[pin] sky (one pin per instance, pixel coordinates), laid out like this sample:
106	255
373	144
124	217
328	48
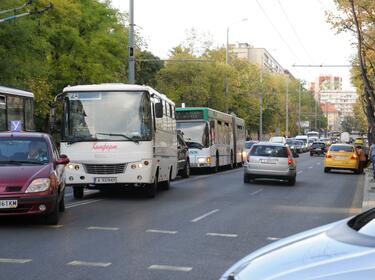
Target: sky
293	31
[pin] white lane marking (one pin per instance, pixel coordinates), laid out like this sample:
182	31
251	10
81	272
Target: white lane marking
310	167
258	191
201	177
103	228
18	261
86	193
55	226
161	231
318	163
222	234
273	238
171	268
204	216
299	172
93	264
82	203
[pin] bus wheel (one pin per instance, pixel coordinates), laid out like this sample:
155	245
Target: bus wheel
216	168
231	160
78	192
166	185
152	188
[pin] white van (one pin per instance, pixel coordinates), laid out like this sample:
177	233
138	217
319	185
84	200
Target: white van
305	141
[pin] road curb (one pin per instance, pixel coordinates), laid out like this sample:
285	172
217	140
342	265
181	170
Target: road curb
368	190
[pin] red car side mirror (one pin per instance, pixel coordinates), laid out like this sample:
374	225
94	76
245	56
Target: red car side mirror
63	160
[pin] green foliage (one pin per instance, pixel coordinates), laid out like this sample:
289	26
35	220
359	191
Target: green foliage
350	124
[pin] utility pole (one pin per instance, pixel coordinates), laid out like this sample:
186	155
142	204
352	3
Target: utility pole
316	112
261	104
131	56
287	108
299	108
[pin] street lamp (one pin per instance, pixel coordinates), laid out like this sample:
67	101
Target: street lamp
227	47
227	58
131	55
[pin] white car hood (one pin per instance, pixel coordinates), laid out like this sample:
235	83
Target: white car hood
322	253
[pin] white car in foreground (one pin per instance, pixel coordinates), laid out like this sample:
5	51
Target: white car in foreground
341	250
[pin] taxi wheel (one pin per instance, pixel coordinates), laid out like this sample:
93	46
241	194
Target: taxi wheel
78	192
62	204
53	217
326	169
357	171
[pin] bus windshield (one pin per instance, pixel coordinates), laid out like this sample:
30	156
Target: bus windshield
107	116
195	133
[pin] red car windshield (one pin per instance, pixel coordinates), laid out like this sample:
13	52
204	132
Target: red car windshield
23	151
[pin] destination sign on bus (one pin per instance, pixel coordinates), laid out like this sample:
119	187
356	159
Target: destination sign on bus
190	115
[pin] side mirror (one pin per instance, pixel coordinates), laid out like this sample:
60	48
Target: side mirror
159	110
63	160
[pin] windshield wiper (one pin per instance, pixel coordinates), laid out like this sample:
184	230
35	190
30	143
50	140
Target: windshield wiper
19	162
81	139
120	135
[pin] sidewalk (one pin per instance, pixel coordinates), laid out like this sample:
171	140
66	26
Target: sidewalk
368	190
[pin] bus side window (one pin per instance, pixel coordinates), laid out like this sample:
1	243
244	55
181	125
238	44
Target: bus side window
29	114
3	120
219	133
212	132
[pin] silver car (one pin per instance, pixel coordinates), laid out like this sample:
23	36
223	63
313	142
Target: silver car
343	250
271	161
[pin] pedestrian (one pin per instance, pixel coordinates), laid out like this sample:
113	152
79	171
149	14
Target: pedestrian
372	157
362	158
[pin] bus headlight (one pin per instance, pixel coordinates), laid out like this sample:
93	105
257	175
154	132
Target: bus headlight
73	166
204	159
140	164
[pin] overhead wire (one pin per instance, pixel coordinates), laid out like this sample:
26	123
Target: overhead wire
277	31
295	32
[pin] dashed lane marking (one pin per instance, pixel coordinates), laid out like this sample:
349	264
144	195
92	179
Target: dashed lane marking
299	172
258	191
76	204
204	216
103	228
222	234
92	264
161	231
55	226
273	238
171	268
310	167
15	261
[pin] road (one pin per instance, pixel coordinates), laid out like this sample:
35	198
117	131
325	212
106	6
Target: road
194	231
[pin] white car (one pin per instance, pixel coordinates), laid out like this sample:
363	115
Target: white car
278	139
337	251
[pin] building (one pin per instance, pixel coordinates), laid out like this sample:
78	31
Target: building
258	56
326	82
332	115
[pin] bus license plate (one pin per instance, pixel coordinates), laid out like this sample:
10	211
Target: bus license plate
105	180
8	204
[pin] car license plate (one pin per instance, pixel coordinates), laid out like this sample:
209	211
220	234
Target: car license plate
105	180
268	161
318	149
340	157
8	204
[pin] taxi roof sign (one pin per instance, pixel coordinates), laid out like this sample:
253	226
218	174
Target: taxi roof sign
16	125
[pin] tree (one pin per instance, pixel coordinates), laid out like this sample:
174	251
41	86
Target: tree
358	17
350	123
147	67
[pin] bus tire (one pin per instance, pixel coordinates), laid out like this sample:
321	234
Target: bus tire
152	188
231	165
217	164
78	192
166	185
185	173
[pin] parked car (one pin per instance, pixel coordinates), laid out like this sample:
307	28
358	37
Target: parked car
318	148
31	176
249	144
278	139
183	162
270	161
340	250
293	146
341	156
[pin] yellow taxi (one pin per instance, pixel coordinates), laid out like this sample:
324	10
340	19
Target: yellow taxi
359	141
341	156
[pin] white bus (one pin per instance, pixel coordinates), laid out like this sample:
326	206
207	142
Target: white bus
214	138
16	110
313	135
118	135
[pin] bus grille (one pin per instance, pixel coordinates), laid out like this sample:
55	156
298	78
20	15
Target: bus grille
105	168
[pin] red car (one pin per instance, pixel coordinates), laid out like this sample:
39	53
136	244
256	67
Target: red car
31	176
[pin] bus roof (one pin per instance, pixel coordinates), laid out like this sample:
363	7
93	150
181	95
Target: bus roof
13	91
115	87
208	112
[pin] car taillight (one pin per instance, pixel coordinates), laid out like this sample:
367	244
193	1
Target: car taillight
328	156
290	161
354	157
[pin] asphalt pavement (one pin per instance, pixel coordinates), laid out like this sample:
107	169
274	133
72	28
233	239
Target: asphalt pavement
196	230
